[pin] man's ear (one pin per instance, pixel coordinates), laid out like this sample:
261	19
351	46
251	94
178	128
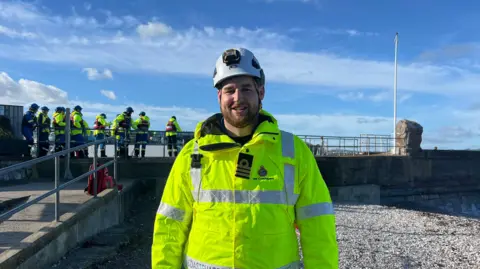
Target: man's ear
219	95
261	92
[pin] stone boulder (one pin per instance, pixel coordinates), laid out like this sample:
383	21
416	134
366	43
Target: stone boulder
409	137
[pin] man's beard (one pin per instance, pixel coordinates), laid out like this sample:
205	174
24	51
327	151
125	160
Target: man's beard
240	122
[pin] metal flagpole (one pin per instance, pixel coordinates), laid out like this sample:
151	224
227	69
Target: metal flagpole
395	97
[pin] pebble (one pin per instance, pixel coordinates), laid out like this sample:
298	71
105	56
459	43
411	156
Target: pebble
372	236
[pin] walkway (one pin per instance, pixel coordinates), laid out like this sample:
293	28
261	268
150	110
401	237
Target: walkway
17	230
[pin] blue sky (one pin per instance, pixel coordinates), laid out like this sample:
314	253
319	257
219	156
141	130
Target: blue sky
329	64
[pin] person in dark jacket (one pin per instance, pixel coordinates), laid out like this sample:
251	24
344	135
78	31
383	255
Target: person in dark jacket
29	123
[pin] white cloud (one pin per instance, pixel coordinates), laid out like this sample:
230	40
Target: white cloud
109	94
27	91
374	97
87	6
153	29
349	32
94	74
20	12
16	34
115	42
449	135
29	15
193	51
351	96
333	124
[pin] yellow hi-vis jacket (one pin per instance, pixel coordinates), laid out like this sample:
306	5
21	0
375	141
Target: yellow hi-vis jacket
141	124
58	123
231	206
173	123
100	124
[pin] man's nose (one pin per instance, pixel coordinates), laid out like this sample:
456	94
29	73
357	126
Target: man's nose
239	95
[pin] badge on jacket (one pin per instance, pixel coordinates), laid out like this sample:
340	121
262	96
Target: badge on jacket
244	165
262	171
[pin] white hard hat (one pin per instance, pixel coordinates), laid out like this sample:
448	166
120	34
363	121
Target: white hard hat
236	62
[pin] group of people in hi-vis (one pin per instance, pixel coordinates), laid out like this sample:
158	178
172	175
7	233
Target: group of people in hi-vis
80	130
243	193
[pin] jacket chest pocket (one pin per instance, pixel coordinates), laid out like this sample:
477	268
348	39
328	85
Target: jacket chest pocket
265	175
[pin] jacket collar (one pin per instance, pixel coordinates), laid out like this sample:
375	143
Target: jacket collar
211	135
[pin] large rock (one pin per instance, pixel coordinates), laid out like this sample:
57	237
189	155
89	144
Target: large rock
409	137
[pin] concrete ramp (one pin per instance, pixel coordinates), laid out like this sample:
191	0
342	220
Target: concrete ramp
38	241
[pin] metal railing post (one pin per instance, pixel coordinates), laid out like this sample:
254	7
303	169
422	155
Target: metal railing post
115	159
165	144
37	149
57	183
68	173
95	167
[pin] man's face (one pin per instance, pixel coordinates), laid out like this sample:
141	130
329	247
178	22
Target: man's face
239	100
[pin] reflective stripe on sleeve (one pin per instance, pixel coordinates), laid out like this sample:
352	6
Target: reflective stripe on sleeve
314	210
171	212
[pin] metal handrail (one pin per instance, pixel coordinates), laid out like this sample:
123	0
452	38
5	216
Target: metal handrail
58	187
31	162
350	145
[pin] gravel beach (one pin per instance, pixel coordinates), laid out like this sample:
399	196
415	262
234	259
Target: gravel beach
382	237
368	237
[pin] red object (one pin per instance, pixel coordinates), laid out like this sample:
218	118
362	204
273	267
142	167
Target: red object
170	127
97	125
104	181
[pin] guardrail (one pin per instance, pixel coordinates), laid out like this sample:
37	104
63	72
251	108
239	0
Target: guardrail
350	145
59	187
319	145
365	144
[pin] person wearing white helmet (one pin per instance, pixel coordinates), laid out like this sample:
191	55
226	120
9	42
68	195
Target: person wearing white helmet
239	188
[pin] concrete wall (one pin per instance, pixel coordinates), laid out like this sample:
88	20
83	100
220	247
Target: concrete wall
428	168
15	177
393	170
435	181
52	242
401	180
337	171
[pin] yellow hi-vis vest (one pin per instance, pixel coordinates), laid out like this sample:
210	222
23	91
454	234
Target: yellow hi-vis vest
231	206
